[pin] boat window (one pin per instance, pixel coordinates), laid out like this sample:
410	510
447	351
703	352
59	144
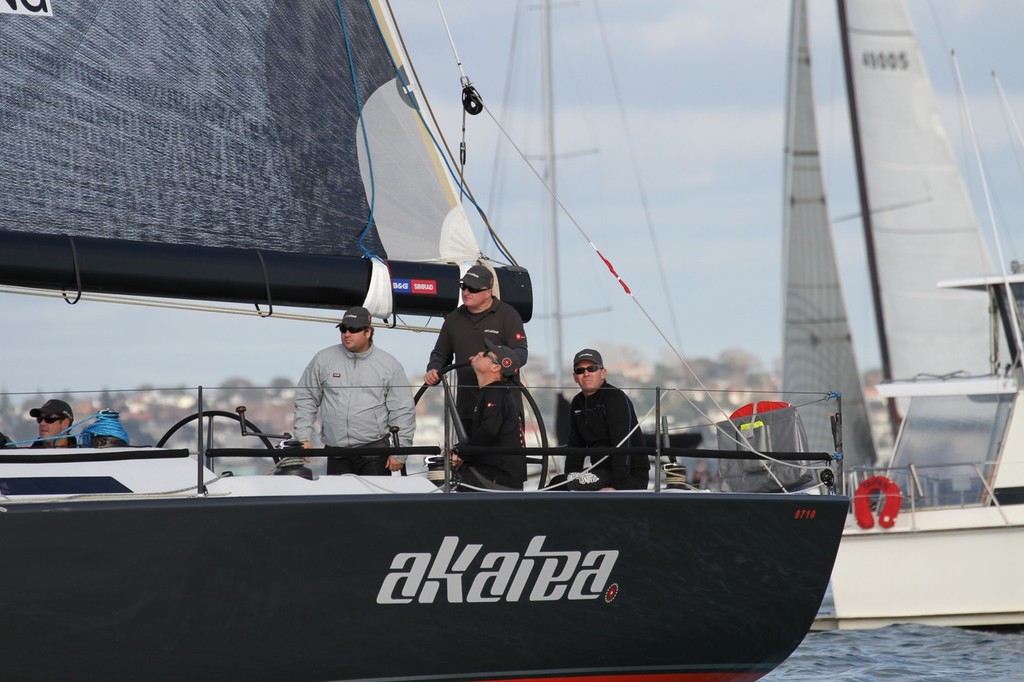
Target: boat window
60	485
944	438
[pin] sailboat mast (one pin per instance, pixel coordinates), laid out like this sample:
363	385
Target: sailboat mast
865	208
552	177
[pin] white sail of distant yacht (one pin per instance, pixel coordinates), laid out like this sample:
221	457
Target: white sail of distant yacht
919	224
817	348
950	503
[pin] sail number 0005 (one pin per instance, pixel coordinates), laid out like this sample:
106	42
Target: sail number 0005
891	61
804	513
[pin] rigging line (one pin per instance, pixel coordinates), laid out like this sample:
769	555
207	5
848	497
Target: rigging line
451	40
497	167
266	282
649	221
362	125
1011	121
1017	341
78	272
607	263
470	100
442	147
944	44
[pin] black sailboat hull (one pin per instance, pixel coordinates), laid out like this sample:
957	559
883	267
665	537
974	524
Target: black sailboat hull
534	586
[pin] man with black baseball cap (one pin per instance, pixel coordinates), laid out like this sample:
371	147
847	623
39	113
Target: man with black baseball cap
601	415
498	422
481	316
54	418
360	393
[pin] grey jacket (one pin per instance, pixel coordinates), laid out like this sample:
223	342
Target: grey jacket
358	396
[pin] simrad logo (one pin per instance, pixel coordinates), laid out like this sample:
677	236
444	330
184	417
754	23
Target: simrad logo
35	8
457	577
414	286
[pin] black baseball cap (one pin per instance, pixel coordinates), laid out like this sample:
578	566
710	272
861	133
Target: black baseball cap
478	277
588	354
506	358
355	317
53	406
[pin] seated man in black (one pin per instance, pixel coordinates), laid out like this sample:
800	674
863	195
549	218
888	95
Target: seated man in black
498	422
601	415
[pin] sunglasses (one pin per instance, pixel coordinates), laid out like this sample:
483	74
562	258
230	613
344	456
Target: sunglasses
466	287
589	369
49	419
352	330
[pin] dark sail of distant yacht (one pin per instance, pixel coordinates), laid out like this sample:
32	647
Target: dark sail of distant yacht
817	345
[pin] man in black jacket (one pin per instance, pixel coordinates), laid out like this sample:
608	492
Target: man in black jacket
497	423
601	415
480	317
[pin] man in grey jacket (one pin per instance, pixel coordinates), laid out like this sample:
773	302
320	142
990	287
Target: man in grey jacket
359	392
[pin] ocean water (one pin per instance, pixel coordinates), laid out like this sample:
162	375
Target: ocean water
906	652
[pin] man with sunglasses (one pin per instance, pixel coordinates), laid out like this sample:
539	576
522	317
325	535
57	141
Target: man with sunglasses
601	415
359	392
54	418
480	317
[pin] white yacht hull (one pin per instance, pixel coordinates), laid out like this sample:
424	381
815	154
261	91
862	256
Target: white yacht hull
958	567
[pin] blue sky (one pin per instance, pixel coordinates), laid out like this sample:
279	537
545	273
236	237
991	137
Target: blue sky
702	83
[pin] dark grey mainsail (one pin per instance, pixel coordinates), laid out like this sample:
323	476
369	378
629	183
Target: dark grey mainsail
230	152
818	351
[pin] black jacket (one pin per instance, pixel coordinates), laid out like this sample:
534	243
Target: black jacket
72	443
603	420
462	336
498	423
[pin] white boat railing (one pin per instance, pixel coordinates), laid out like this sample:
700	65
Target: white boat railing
958	485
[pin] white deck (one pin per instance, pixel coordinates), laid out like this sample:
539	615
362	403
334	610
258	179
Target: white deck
178	477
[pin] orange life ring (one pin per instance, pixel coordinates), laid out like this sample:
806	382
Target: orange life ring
892	499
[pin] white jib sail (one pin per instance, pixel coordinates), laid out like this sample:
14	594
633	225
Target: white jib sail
924	228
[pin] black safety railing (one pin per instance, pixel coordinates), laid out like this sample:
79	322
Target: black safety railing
208	406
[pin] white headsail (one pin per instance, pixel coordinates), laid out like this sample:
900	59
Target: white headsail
921	227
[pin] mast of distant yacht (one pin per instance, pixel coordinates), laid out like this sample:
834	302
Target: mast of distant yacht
552	179
866	215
